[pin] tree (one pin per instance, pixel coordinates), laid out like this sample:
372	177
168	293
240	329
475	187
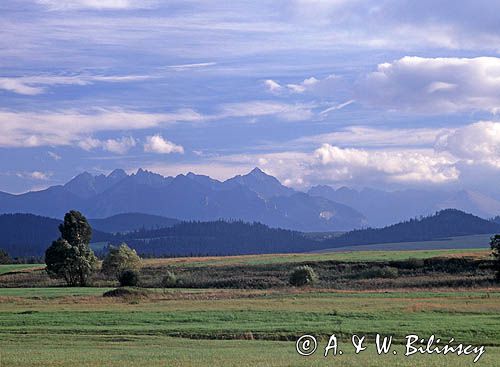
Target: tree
4	257
119	259
495	247
70	256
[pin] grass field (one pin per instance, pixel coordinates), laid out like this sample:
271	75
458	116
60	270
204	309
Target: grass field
61	326
140	332
10	268
351	256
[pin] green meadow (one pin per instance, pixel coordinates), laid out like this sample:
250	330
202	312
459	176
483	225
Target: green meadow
66	326
228	327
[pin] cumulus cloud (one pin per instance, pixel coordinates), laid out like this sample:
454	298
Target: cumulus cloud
157	144
478	142
399	165
34	85
310	84
117	146
434	85
273	86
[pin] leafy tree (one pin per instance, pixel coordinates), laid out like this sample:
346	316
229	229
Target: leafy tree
119	259
303	275
128	278
495	247
70	256
4	257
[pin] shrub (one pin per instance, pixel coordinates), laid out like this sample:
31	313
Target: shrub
119	259
128	293
129	278
385	272
303	275
169	280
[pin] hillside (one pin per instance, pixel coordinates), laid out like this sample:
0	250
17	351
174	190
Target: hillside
128	222
217	238
443	224
25	235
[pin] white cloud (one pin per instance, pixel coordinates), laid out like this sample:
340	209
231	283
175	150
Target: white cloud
31	129
398	165
117	146
434	85
96	4
35	175
475	143
302	87
182	67
157	144
34	85
285	111
273	86
365	136
307	85
337	107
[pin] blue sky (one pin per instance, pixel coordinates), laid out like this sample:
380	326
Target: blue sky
388	94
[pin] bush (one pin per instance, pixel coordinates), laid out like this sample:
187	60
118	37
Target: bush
303	275
119	259
129	278
385	272
169	280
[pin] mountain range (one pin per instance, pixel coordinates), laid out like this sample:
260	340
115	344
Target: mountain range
254	197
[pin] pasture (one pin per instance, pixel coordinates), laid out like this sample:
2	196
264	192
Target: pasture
228	327
246	326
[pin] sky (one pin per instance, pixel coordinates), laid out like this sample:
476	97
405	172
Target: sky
389	94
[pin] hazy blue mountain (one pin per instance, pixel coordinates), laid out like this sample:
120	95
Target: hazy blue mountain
252	197
129	222
382	208
86	185
263	184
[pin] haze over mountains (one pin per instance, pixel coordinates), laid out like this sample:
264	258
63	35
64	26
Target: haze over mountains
255	196
382	208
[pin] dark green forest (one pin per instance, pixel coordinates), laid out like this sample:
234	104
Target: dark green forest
27	235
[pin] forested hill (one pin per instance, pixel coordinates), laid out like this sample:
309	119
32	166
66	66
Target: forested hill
217	238
443	224
27	235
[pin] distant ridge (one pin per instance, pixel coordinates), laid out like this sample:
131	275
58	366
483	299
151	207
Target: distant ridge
25	235
129	222
254	197
443	224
